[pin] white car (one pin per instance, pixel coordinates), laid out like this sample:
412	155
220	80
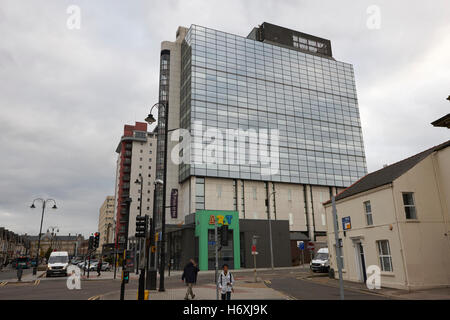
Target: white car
57	263
106	266
92	266
320	262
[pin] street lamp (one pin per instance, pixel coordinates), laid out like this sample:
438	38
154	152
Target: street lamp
150	119
44	203
270	230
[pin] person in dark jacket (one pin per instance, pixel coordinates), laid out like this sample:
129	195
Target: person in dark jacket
190	277
99	267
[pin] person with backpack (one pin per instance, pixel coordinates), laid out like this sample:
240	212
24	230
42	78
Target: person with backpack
190	277
226	282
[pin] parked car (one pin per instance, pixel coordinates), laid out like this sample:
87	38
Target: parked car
320	262
87	264
14	263
58	263
23	263
93	266
106	266
33	262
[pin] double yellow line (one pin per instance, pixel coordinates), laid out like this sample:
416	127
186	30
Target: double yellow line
3	283
36	282
97	297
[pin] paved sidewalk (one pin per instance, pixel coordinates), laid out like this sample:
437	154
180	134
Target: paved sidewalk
428	294
25	278
243	270
243	291
177	273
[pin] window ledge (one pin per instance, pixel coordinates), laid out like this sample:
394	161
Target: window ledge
412	220
387	273
370	226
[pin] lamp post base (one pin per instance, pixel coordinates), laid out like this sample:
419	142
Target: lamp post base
141	288
150	280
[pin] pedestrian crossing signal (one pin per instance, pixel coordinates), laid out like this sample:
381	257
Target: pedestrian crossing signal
126	276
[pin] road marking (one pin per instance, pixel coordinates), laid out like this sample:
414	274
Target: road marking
97	297
267	281
36	282
3	283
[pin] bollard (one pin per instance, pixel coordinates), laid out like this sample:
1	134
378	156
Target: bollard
146	295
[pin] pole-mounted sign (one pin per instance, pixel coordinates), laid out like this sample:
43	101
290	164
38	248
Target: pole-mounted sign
346	223
174	203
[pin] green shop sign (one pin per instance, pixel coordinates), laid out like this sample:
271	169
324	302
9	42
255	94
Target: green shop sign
204	221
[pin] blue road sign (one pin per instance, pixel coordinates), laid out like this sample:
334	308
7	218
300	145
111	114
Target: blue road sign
346	223
211	243
301	245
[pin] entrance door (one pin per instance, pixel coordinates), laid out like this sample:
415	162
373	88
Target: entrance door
362	261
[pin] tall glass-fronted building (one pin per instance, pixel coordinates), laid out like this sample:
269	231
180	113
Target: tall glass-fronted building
230	81
292	100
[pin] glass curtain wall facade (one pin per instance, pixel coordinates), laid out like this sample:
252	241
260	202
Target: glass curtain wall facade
229	81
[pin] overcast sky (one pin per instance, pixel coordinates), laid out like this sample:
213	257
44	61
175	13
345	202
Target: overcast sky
65	94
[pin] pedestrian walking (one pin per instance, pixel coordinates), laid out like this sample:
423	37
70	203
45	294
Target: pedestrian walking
226	283
99	267
190	277
19	272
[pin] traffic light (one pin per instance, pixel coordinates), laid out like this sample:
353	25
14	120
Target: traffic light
141	226
126	276
224	236
96	239
91	243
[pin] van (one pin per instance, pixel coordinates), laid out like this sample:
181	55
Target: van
320	262
57	263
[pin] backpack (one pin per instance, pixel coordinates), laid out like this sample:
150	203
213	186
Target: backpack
231	277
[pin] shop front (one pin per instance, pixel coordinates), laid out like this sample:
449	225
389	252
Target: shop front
205	221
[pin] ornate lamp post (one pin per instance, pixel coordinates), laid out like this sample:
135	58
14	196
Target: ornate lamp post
44	204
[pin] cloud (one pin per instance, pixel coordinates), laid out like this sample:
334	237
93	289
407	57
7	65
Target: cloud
66	94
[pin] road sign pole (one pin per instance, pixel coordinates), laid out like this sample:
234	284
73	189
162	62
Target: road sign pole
217	259
89	264
338	248
303	258
254	264
84	265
